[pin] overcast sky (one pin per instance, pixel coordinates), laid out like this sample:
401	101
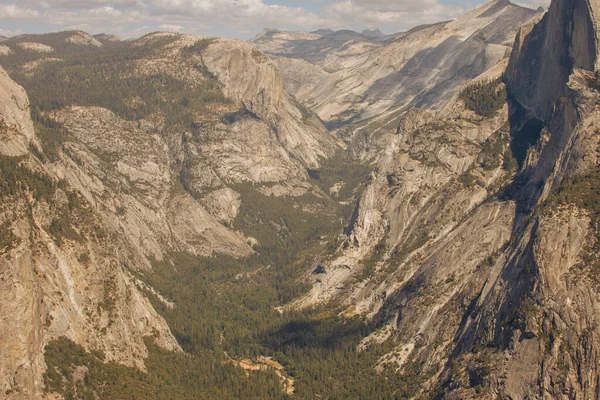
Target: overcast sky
228	18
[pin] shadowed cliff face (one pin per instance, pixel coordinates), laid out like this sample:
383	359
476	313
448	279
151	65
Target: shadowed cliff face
546	53
549	268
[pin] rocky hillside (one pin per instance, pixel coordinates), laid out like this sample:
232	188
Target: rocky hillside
63	264
474	246
314	47
131	152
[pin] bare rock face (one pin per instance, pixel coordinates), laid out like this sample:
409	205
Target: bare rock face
131	168
474	246
5	50
556	242
83	39
485	274
16	128
36	47
262	137
62	270
251	79
540	87
413	200
247	73
224	204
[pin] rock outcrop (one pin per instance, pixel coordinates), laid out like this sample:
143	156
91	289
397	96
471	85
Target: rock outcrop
473	249
16	127
62	270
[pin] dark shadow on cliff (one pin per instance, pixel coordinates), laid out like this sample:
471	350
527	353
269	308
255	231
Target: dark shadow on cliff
315	333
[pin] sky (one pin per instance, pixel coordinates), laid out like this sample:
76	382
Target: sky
226	18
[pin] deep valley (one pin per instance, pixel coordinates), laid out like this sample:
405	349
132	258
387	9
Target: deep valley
311	215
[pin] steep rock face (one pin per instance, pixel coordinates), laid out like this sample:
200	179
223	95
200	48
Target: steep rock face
414	200
112	159
16	128
567	35
550	269
262	136
255	82
313	46
248	77
83	39
61	272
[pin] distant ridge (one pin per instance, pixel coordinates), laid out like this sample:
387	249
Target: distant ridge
103	37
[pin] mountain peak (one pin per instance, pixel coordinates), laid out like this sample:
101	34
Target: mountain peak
375	33
265	33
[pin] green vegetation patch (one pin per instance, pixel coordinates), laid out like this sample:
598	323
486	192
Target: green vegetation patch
61	230
485	98
225	308
319	351
496	152
52	136
284	225
78	374
199	46
580	190
107	78
17	179
341	169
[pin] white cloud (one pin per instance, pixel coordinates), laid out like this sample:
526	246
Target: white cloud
170	28
227	17
80	4
239	14
8	11
396	6
391	16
